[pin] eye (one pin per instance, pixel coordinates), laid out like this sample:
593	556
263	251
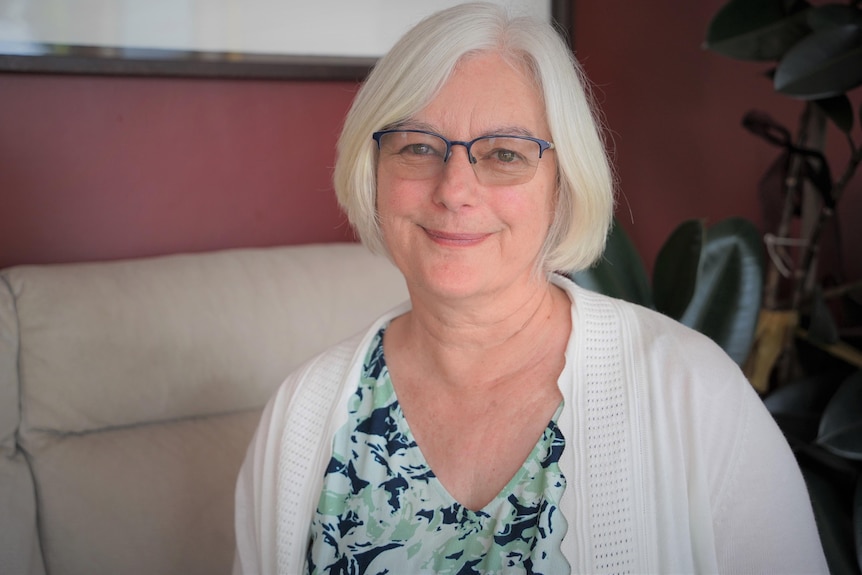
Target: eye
412	146
504	153
506	156
419	150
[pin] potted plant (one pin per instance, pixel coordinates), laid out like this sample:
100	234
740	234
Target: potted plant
795	327
806	357
711	279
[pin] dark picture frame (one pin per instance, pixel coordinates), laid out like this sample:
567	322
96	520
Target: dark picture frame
118	61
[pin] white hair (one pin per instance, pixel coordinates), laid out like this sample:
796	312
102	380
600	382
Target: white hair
411	74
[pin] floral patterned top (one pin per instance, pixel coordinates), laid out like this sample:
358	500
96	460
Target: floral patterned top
382	509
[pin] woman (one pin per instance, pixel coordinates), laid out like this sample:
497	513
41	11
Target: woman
505	420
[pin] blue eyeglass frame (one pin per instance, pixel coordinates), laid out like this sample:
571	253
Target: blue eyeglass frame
543	144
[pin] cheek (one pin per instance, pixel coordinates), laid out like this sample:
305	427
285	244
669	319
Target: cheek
395	207
534	207
387	200
386	196
395	197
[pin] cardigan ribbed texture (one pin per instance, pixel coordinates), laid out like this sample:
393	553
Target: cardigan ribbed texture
672	463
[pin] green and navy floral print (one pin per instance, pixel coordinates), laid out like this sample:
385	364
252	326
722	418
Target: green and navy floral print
382	510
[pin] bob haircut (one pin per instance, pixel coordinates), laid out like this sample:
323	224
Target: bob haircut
411	74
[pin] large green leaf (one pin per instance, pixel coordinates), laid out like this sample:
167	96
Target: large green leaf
757	29
710	280
841	426
726	302
833	15
674	277
798	406
826	63
839	110
620	273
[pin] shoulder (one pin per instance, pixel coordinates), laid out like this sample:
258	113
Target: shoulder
679	380
324	379
309	390
325	373
332	363
290	448
592	305
651	338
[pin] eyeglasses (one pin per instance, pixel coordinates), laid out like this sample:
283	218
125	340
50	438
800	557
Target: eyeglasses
496	160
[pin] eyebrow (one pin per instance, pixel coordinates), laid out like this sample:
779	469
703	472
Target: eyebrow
497	131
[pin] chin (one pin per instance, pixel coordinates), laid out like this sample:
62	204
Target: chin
453	281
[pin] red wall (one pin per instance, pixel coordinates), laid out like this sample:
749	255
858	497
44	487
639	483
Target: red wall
95	168
101	168
674	112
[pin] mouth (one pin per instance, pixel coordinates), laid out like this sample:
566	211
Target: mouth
455	239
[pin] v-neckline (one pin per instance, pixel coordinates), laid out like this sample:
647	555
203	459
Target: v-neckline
418	457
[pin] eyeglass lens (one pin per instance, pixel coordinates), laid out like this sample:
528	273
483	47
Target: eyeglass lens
496	160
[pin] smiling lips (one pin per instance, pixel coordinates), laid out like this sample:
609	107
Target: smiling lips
455	239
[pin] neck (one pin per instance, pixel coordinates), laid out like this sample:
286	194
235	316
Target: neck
488	339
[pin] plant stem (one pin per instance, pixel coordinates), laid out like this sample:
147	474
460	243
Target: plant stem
849	171
841	290
791	192
812	247
826	213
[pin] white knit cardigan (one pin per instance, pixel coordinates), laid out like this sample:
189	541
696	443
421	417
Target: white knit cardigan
672	463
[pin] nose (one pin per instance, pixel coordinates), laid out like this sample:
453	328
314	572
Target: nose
457	187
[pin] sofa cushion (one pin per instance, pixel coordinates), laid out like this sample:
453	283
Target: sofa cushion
118	344
19	542
140	384
20	551
9	404
144	499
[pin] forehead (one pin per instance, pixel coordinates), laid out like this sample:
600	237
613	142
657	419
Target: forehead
484	94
